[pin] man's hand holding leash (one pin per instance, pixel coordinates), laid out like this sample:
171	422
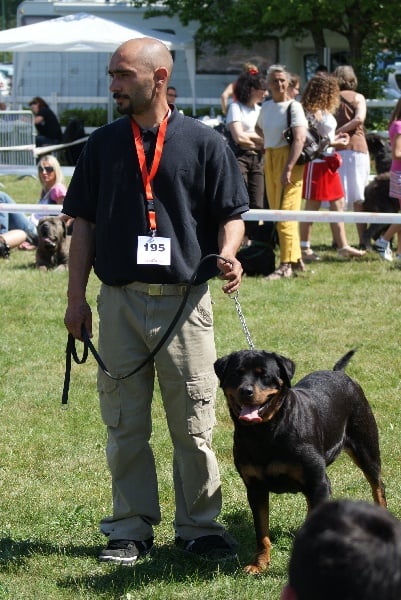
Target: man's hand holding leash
78	315
78	311
231	234
231	271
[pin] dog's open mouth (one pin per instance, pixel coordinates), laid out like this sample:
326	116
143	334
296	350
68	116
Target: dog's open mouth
250	414
255	413
49	243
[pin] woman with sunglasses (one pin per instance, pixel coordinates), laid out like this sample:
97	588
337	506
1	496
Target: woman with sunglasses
52	180
18	230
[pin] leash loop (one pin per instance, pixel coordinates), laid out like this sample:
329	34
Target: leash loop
242	320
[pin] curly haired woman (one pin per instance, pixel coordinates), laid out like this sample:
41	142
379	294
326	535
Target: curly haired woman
322	181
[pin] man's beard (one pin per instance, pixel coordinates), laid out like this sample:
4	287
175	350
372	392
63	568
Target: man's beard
137	104
124	110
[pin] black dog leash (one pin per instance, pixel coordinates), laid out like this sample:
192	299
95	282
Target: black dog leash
71	351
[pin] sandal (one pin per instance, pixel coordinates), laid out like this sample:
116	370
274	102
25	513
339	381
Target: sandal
349	252
309	256
284	271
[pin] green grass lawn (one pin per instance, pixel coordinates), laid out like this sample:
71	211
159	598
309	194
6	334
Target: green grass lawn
54	481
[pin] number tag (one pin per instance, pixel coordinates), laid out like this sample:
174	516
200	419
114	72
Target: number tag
153	250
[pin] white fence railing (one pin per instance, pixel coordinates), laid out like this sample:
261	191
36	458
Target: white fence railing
55	101
303	216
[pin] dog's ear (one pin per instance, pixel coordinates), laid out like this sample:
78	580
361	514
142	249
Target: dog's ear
287	368
64	228
220	366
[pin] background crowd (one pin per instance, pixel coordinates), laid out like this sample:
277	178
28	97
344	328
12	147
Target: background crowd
337	178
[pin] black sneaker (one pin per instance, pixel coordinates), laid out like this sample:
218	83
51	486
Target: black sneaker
4	248
125	552
210	547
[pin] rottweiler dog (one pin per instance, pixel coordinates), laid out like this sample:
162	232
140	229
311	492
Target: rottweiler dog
285	437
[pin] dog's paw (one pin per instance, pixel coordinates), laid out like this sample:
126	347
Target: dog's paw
256	569
260	563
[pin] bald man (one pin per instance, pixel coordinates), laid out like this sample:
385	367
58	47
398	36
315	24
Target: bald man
154	193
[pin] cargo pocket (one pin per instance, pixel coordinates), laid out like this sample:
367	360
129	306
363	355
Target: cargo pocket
109	399
201	399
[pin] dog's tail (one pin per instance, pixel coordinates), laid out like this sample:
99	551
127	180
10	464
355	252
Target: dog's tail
343	362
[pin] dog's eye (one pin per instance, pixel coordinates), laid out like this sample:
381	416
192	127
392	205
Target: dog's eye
259	372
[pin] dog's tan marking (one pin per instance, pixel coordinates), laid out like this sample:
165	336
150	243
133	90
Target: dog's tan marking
378	490
276	468
270	410
262	558
251	472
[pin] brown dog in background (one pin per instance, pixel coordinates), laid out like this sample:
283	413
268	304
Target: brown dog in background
53	244
284	437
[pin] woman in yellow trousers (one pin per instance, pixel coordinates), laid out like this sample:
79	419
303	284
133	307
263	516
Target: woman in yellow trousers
283	176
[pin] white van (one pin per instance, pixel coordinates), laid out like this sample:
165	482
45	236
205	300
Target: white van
393	87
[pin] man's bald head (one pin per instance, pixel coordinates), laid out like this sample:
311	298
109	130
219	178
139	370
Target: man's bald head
150	52
140	70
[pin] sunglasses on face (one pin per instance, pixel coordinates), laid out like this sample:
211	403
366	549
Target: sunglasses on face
46	169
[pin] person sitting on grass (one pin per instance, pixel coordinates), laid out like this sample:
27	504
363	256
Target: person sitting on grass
15	228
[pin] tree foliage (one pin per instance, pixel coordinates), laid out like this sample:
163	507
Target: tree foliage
9	18
364	23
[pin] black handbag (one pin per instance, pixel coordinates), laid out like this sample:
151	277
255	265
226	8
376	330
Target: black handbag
258	258
224	130
315	144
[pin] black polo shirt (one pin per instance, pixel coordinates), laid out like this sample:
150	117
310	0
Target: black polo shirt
197	186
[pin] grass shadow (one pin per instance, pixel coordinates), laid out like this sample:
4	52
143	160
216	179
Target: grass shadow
166	564
14	553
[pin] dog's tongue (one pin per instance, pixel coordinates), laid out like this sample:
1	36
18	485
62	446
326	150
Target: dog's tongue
250	414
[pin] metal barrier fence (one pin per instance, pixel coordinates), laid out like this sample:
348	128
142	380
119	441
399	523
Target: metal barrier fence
17	138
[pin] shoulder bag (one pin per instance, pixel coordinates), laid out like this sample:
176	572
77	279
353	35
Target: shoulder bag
314	145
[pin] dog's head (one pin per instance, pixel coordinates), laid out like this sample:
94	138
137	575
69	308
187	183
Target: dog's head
380	148
51	233
253	382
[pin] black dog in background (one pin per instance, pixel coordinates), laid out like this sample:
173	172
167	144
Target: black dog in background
285	437
74	131
377	197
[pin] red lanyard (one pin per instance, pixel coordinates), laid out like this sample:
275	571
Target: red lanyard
146	176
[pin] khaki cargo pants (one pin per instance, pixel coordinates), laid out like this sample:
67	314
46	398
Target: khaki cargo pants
133	318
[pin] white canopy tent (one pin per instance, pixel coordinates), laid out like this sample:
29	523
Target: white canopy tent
83	32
